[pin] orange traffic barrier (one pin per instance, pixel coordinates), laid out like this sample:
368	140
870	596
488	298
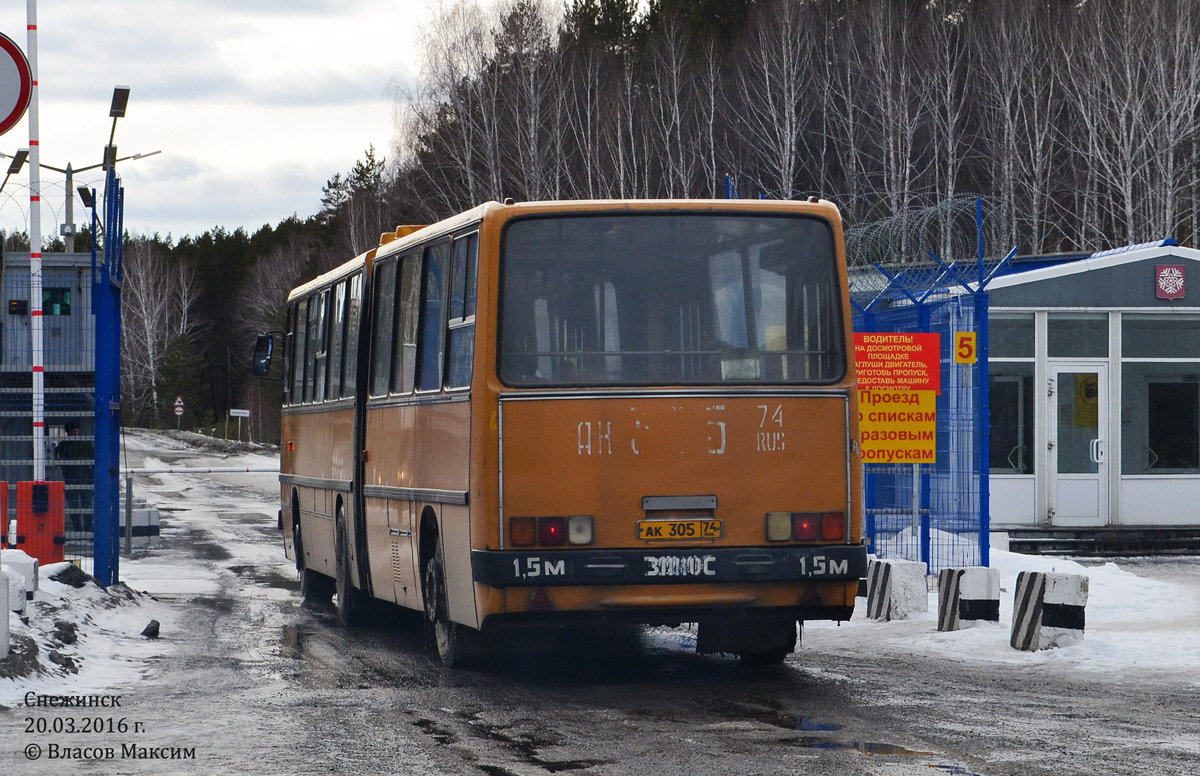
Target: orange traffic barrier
40	520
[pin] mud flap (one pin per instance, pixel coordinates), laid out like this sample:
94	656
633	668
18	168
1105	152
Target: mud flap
740	637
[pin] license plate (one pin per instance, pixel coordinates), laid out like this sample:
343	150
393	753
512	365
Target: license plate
674	530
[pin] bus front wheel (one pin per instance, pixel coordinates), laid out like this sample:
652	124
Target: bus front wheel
446	634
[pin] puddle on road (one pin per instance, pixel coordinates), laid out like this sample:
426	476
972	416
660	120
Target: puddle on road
866	747
268	577
811	725
527	747
291	643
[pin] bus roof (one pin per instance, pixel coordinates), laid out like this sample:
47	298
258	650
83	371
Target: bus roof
406	236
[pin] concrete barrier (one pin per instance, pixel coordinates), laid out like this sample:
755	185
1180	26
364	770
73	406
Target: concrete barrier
967	595
27	566
16	590
896	588
4	617
146	529
1048	610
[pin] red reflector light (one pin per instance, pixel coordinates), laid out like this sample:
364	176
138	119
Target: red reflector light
804	526
833	526
552	530
522	531
540	600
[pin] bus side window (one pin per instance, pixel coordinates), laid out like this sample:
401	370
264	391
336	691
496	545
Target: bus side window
433	321
353	318
337	330
460	348
384	316
404	365
299	341
319	320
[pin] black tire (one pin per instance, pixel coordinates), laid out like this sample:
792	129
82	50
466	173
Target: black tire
349	599
315	587
447	635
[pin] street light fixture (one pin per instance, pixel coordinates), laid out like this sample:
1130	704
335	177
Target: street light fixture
18	161
120	100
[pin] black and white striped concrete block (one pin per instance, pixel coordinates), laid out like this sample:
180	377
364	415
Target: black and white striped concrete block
1048	610
967	595
896	588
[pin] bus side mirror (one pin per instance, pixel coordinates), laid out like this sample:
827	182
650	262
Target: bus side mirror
263	347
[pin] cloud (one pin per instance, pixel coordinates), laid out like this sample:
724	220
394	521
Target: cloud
254	103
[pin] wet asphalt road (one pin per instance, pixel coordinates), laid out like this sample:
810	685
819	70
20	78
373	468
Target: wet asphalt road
257	683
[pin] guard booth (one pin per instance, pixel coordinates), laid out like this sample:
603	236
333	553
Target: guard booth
69	358
1095	391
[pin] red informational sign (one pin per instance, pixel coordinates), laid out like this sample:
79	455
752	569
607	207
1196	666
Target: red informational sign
16	83
891	361
1170	281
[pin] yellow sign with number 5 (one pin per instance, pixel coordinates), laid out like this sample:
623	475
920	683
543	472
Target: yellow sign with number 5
964	347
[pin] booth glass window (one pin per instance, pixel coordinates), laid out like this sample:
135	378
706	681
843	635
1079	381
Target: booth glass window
1160	336
1160	388
1010	429
1010	336
1077	336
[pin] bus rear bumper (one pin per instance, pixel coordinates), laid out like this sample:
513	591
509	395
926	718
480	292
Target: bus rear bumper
651	566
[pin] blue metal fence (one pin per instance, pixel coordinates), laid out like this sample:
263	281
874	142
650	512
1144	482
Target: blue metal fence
933	513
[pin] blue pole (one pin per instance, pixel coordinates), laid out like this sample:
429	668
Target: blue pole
984	424
106	306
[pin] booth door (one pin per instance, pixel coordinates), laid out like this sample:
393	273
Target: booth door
1078	468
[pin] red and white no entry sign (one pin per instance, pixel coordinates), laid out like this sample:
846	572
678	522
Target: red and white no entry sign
16	83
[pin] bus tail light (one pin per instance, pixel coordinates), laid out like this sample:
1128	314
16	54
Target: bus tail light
552	530
580	529
805	526
833	526
522	531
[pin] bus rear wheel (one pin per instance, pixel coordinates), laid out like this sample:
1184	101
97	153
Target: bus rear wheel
446	634
349	600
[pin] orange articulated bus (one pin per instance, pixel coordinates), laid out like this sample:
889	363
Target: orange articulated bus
542	414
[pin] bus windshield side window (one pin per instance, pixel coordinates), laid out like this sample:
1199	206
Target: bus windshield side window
384	316
289	363
433	321
299	341
353	316
460	349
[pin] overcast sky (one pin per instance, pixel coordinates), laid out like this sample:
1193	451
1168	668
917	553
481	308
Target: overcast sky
254	104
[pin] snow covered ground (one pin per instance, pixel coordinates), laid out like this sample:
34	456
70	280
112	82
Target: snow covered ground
1142	615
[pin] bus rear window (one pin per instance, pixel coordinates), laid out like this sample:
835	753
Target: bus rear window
668	299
